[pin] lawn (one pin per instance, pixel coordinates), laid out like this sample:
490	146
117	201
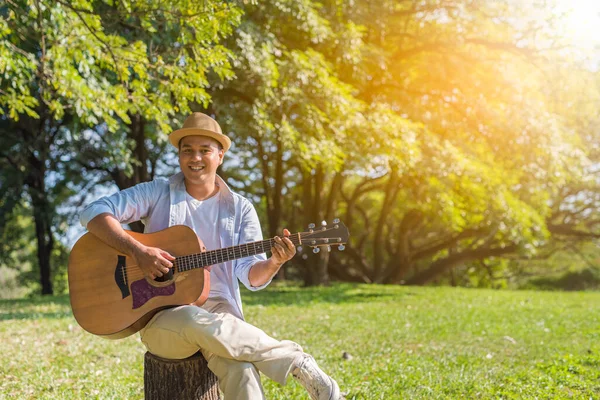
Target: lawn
401	343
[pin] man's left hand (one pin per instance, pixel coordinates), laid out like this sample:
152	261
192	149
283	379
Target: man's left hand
284	249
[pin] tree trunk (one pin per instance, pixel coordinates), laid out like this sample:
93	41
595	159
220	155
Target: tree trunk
391	191
42	214
277	201
187	379
45	244
138	133
316	267
316	272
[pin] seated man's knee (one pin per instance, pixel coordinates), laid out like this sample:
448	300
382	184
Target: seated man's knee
245	372
237	379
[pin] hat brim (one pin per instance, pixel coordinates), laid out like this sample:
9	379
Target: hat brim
179	134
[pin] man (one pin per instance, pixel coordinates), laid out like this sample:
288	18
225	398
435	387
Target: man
197	197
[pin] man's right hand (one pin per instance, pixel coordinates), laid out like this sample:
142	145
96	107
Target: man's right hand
153	262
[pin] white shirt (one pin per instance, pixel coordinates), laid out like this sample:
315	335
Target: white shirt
203	217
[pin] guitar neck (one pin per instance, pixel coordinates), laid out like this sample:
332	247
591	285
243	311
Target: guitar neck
212	257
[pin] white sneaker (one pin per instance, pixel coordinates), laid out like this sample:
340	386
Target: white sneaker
317	383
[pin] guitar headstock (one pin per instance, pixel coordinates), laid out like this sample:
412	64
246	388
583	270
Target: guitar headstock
326	235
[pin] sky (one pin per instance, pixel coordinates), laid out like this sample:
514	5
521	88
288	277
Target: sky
583	21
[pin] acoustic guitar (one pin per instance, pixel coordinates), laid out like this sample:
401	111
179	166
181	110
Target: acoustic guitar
111	297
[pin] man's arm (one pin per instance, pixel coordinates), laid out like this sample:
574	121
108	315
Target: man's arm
151	260
263	271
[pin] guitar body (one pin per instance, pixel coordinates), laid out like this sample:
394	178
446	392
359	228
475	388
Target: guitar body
110	296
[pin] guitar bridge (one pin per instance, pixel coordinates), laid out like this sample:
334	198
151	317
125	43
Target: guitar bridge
121	276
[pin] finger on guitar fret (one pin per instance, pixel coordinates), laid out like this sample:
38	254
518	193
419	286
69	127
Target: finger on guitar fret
167	256
289	243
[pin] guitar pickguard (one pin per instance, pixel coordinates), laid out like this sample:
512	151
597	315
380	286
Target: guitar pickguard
142	292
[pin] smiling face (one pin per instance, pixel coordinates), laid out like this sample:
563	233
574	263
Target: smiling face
199	158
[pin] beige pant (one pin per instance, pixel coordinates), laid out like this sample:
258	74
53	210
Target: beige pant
234	349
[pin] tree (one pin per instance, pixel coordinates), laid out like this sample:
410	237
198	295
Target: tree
63	68
297	125
494	150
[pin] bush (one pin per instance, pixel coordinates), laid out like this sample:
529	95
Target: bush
584	279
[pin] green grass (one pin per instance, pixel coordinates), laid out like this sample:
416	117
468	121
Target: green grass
404	342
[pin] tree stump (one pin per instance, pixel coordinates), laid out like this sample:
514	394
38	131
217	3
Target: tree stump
187	379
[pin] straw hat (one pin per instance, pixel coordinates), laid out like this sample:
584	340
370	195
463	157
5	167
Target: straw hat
199	124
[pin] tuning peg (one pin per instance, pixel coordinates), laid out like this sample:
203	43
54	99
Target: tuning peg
341	247
323	223
328	248
299	249
316	250
336	220
311	226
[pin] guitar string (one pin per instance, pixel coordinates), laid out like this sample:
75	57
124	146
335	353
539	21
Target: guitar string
226	251
191	260
221	255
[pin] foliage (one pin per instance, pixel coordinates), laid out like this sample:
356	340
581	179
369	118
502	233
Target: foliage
434	343
296	123
18	257
571	266
432	127
177	51
448	136
105	60
586	279
496	149
68	66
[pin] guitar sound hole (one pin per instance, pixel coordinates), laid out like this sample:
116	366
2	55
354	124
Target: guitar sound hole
165	277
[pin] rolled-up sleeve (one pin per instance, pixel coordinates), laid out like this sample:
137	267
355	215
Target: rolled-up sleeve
250	231
128	205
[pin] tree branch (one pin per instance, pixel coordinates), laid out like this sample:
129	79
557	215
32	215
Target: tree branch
454	259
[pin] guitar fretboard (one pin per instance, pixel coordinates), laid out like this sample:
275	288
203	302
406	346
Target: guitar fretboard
212	257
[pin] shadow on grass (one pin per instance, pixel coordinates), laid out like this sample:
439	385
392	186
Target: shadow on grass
277	294
52	307
285	295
